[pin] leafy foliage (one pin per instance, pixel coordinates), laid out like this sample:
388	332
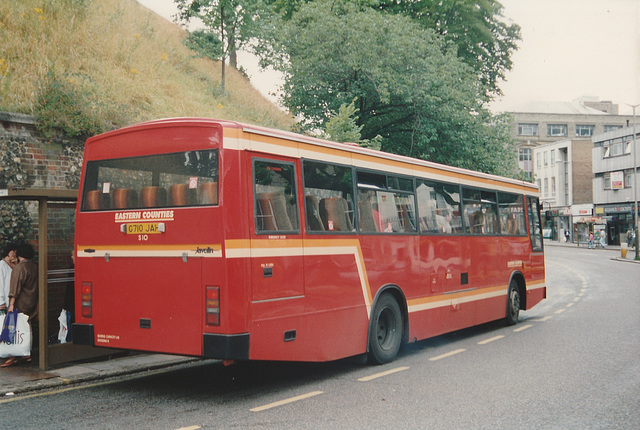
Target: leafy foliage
409	84
204	44
484	40
342	126
232	21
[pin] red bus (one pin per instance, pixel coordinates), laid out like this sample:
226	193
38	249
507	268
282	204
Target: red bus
225	240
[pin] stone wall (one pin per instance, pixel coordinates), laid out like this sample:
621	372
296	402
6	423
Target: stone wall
27	160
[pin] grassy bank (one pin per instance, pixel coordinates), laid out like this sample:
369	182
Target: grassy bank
94	64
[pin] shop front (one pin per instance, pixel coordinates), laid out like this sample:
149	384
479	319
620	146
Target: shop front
619	219
557	224
584	223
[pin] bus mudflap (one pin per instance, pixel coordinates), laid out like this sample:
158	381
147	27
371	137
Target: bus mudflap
83	334
226	346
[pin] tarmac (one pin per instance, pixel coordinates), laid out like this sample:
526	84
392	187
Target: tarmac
27	378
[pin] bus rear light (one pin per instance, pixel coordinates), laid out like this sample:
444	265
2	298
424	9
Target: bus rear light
87	299
213	306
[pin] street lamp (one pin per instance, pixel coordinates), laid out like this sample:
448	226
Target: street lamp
635	181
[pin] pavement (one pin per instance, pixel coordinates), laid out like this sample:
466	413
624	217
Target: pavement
630	258
25	378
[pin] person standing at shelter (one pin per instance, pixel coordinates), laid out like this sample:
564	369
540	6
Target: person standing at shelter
6	266
23	291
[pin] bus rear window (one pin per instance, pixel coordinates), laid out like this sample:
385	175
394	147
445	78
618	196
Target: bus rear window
167	180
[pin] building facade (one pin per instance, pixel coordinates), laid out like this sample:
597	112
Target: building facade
538	123
614	195
563	173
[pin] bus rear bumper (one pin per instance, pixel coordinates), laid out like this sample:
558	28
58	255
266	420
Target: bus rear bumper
226	346
83	334
221	346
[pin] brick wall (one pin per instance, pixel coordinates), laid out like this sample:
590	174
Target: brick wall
27	160
582	172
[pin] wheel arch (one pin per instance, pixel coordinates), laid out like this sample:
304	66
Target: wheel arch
396	292
518	277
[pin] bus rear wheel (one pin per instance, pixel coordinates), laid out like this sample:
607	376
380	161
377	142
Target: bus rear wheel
513	303
385	335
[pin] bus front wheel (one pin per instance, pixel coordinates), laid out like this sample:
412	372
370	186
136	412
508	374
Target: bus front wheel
513	303
385	334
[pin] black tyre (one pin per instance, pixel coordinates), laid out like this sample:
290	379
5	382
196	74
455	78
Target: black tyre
385	334
513	303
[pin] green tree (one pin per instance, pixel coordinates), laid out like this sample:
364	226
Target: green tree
478	28
204	44
232	21
485	40
411	88
342	126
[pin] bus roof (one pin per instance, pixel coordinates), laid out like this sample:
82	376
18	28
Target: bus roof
351	148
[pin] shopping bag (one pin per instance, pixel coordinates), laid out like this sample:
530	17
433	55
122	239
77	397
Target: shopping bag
9	327
64	326
21	345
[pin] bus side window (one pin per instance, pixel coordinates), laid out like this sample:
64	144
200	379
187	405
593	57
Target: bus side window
481	211
512	220
276	207
328	190
439	207
535	231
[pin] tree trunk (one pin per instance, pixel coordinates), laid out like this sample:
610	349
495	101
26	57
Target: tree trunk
233	54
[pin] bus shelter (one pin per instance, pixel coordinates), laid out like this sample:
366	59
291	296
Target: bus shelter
46	199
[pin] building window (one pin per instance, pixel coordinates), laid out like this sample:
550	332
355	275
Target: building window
628	178
546	186
524	154
527	129
616	149
607	181
611	127
584	130
538	165
553	157
546	158
553	185
557	130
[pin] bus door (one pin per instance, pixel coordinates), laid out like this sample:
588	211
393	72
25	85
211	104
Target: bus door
276	247
535	269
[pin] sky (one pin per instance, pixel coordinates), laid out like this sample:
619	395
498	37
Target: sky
569	49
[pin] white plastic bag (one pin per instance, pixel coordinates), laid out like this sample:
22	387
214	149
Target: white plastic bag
64	328
21	346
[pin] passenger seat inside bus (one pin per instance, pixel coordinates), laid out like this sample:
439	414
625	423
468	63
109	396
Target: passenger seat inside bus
125	198
367	222
181	195
97	200
153	197
208	193
313	214
272	212
333	213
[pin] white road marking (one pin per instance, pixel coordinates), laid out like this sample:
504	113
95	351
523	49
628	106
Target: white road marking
448	354
286	401
484	342
524	327
381	374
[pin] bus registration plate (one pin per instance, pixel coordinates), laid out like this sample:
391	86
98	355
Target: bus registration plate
144	228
